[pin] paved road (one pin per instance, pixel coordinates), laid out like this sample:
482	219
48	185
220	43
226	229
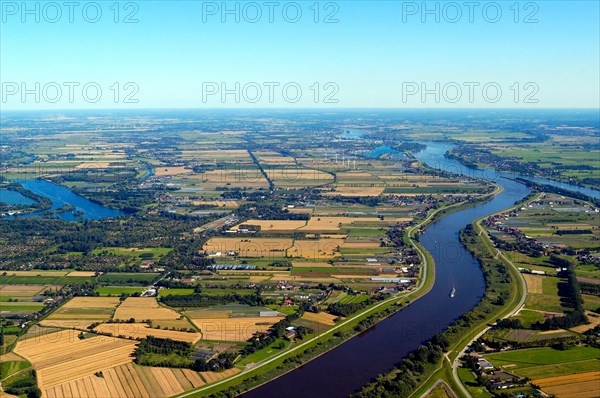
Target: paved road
456	363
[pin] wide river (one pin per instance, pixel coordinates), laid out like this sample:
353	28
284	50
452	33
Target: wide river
346	368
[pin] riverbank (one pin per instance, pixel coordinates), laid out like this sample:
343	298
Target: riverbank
319	345
448	368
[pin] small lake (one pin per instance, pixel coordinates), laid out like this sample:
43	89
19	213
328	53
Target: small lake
61	196
14	198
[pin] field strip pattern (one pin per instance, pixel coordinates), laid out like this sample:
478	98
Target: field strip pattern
141	308
582	385
141	330
133	381
61	357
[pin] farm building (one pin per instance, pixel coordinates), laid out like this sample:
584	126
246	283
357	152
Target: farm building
484	364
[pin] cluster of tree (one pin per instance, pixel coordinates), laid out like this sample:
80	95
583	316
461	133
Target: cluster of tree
557	190
206	300
224	360
39	202
590	288
276	331
154	351
60	238
129	199
156	345
369	201
171	284
573	232
25	384
263	172
346	309
285	263
509	323
269	212
409	147
520	245
396	235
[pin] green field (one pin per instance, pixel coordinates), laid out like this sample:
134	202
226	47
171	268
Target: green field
529	318
468	379
21	307
590	302
147	252
117	290
44	280
175	292
549	300
547	362
128	277
12	367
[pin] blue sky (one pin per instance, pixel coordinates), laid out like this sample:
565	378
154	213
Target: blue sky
371	54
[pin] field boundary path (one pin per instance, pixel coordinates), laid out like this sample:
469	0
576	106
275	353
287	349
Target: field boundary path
518	306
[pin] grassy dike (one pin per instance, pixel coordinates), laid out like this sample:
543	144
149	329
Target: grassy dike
318	345
485	251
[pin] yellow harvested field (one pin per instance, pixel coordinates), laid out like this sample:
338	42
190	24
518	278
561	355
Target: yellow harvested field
11	356
594	321
86	308
301	264
171	171
534	283
316	249
259	278
249	247
81	273
233	329
321	317
582	385
68	323
219	203
129	381
62	357
211	377
317	224
20	290
141	308
277	160
274	225
92	302
293	173
141	330
301	210
355	191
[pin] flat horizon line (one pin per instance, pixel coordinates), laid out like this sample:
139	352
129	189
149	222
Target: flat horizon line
296	109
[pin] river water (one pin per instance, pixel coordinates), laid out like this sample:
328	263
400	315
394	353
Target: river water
346	368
